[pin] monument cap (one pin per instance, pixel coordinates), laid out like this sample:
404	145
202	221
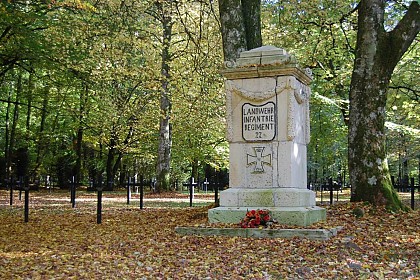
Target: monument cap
265	55
265	61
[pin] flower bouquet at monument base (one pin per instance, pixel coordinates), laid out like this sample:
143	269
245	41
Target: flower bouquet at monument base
257	219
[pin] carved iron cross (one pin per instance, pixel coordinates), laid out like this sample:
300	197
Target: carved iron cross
258	160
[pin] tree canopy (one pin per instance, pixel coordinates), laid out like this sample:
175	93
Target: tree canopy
81	85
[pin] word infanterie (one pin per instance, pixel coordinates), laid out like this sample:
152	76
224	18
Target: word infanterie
259	122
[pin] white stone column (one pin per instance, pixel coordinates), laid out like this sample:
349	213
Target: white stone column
268	131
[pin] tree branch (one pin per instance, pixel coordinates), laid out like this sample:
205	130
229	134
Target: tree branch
349	13
401	37
5	31
20	103
7	66
407	90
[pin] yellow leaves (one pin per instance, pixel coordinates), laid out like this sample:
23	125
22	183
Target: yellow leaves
78	4
60	242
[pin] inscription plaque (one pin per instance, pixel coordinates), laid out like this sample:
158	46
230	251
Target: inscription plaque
259	122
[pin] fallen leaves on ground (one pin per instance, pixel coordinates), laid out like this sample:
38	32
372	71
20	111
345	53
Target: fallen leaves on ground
60	242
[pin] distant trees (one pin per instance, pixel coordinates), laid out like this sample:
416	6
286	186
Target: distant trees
88	90
80	89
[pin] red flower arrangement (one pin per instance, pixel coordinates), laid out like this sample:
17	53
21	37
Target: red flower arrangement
255	218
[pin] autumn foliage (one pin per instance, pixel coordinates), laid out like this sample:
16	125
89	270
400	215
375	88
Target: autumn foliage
60	242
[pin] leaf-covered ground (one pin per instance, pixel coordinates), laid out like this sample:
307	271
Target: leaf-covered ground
60	242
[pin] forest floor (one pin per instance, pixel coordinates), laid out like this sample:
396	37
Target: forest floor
61	242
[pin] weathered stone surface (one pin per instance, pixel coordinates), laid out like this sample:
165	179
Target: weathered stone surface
267	105
265	55
301	216
269	197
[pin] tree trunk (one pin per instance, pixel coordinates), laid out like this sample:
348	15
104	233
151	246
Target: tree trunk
29	107
232	28
165	141
7	138
240	26
42	140
79	139
78	149
194	169
252	20
12	141
377	53
109	164
117	164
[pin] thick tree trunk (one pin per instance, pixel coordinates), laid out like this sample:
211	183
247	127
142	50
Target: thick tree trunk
240	26
165	141
252	20
377	53
232	28
369	173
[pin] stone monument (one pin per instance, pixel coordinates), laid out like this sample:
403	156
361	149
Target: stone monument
268	131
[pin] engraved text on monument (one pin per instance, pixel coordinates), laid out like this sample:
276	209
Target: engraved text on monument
259	122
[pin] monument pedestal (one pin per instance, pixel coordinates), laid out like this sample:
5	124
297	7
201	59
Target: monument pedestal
273	197
300	216
268	132
288	206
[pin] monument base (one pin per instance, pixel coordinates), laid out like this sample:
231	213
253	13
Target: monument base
267	197
300	216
